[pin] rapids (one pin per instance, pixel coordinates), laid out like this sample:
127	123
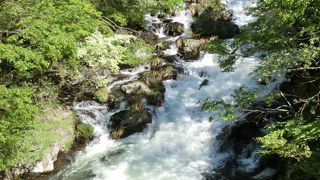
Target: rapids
181	142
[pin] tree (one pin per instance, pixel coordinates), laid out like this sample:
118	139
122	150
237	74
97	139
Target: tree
287	35
17	113
36	35
131	12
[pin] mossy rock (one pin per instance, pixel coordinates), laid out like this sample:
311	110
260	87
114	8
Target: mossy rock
116	96
156	99
84	132
215	22
174	29
128	122
101	95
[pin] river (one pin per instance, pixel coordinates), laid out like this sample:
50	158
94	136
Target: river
181	142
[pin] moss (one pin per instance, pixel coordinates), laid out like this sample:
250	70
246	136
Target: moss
85	131
102	95
155	99
117	134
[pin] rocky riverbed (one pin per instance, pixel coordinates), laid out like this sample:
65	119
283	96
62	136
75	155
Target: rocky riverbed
150	125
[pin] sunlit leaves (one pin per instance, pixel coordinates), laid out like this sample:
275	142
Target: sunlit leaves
107	53
40	33
290	138
128	12
17	112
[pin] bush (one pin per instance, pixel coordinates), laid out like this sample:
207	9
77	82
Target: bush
39	33
17	112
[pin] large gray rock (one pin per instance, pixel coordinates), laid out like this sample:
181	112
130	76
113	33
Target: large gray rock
47	163
149	37
128	122
135	86
174	29
189	48
214	22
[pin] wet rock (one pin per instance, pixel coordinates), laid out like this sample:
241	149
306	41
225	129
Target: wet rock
189	48
204	83
84	133
149	37
155	99
116	97
240	136
265	174
167	21
215	23
168	72
203	74
170	59
135	86
154	80
159	74
127	122
157	25
163	15
61	162
174	29
161	46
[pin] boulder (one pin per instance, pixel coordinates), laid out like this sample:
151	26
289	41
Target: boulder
128	122
174	29
239	136
163	15
135	86
149	37
169	59
84	133
189	48
101	95
161	46
204	83
47	163
215	23
115	98
155	99
167	20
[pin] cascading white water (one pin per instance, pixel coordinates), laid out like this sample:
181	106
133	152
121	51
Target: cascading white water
181	142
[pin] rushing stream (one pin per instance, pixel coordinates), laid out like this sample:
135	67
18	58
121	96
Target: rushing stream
181	142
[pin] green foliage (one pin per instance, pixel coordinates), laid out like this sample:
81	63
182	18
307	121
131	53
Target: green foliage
38	33
286	33
107	53
17	118
290	138
225	110
242	100
131	13
102	95
84	130
307	168
227	59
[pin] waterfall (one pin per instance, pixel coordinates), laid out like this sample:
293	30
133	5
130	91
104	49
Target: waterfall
181	142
